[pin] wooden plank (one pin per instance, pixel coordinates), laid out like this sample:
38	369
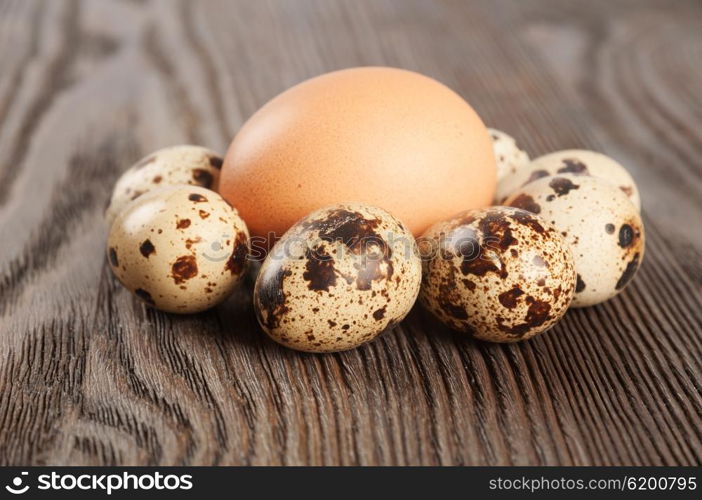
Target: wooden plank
89	376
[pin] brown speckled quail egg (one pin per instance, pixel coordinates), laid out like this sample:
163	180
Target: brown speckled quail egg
500	274
509	156
571	161
600	223
338	278
180	249
170	166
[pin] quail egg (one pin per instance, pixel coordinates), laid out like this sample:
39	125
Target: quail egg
180	249
338	278
500	274
170	166
599	222
571	161
509	157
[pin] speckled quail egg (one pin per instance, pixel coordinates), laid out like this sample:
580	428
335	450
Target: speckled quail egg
500	274
508	155
180	249
338	278
600	223
571	161
170	166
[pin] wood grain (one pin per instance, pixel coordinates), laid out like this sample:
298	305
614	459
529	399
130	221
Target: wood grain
89	376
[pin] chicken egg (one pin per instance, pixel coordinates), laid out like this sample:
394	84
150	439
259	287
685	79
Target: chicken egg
381	136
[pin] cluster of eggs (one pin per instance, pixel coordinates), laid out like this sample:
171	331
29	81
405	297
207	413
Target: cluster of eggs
565	230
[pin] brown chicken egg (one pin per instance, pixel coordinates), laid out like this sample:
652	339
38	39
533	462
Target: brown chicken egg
500	274
338	278
382	136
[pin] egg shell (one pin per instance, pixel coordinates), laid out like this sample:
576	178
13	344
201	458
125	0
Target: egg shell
184	164
381	136
179	249
599	222
508	155
500	274
337	279
575	162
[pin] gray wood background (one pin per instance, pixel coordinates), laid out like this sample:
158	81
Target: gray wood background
90	376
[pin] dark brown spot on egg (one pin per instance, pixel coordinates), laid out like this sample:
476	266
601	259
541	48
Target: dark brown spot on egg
628	273
535	175
271	297
147	248
190	241
537	315
350	228
319	269
113	257
579	284
526	219
573	166
379	314
626	235
609	228
203	214
157	179
182	223
144	295
184	268
359	235
510	298
196	198
136	194
628	190
497	231
526	202
216	162
237	260
202	177
331	323
453	310
482	264
562	186
468	284
478	264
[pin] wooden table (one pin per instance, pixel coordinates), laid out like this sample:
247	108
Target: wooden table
88	375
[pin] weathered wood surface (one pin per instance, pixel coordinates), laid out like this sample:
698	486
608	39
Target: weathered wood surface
89	376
